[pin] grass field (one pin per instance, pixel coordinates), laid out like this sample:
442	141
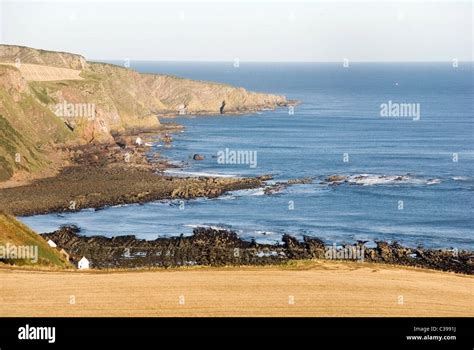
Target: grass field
309	289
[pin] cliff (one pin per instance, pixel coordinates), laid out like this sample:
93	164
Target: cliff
49	98
28	129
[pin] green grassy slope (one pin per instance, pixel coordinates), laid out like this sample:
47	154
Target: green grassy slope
14	233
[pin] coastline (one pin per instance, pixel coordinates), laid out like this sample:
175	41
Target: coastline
218	247
97	176
108	174
101	165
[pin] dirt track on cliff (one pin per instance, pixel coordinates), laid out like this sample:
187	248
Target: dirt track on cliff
312	289
37	72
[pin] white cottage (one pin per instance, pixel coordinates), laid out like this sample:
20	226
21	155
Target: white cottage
52	244
83	264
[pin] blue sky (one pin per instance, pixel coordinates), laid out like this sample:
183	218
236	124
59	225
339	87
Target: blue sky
264	31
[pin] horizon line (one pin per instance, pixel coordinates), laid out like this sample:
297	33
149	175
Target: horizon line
262	61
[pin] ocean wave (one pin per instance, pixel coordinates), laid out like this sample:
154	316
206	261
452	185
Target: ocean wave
374	179
182	173
433	182
225	198
259	191
265	233
371	180
213	227
194	225
231	195
461	178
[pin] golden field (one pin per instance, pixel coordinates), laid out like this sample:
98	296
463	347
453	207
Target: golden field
303	289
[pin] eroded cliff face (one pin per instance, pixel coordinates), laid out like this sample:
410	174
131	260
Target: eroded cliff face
40	109
28	129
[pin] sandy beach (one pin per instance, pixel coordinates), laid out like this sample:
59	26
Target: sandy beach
304	289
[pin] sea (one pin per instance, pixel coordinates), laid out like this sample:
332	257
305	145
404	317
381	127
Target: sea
401	133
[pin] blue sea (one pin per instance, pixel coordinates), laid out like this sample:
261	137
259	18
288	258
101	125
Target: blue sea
411	179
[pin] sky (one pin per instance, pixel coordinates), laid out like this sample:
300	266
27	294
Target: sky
309	31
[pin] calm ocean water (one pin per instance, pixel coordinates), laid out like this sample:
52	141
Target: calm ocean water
339	114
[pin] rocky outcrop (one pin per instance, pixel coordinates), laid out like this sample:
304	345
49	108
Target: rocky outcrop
106	175
282	185
335	179
216	247
213	187
204	247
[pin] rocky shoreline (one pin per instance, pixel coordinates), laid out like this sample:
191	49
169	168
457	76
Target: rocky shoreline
121	172
213	247
101	175
112	174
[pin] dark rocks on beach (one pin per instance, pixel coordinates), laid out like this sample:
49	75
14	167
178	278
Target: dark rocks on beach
198	156
439	259
295	249
107	175
214	247
204	247
121	142
315	247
